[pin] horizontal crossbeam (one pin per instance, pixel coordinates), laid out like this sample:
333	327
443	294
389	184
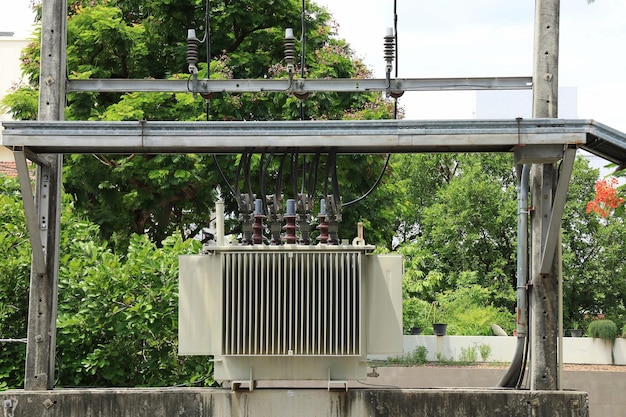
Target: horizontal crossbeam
384	136
303	86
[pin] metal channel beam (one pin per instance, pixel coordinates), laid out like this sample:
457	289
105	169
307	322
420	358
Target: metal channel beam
558	206
346	85
387	136
32	219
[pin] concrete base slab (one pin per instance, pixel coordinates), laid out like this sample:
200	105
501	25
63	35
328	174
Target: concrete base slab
196	402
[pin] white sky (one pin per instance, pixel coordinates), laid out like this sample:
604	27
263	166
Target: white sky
489	38
478	38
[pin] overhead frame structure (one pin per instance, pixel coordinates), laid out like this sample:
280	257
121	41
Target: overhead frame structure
384	136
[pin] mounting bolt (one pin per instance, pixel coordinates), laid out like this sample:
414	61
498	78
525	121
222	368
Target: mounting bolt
7	403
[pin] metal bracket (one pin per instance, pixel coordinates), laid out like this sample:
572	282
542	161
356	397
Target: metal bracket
336	385
32	221
558	207
241	385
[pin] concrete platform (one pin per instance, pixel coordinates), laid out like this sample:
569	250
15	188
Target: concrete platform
195	402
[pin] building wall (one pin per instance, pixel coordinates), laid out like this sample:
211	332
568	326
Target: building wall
10	75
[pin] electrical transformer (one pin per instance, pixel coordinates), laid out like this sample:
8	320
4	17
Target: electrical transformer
290	312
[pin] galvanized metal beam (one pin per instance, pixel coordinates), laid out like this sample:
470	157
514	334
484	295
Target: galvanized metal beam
32	221
42	308
558	206
387	136
346	85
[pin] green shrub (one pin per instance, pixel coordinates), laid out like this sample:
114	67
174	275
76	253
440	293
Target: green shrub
603	329
417	357
485	351
624	331
468	355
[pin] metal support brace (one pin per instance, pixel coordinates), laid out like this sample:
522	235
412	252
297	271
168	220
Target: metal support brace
345	85
558	206
32	221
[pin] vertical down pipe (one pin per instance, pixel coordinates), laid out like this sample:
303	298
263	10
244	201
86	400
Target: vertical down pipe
512	375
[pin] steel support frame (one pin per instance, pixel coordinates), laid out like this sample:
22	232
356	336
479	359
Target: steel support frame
44	214
42	307
543	293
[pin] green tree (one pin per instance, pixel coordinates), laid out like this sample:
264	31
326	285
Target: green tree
593	264
14	277
465	220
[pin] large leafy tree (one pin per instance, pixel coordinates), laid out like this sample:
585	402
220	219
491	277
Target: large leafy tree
163	194
593	261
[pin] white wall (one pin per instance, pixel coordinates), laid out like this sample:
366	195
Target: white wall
10	74
576	350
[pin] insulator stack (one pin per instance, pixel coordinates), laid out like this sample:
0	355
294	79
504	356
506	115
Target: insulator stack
323	223
258	226
192	50
389	49
290	50
290	219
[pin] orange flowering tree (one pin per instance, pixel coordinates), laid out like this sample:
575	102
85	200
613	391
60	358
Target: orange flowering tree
606	199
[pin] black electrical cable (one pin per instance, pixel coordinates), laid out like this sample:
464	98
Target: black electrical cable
236	192
247	179
376	184
294	174
303	54
395	32
207	38
336	195
395	112
327	174
313	175
264	168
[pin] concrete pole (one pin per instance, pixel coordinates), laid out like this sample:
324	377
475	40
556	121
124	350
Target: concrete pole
42	314
544	304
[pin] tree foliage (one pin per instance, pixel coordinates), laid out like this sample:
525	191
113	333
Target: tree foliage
14	272
118	314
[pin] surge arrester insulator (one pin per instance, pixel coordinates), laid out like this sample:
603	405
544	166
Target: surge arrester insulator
290	49
192	49
390	49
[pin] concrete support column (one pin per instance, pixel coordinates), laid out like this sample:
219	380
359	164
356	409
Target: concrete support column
42	314
544	314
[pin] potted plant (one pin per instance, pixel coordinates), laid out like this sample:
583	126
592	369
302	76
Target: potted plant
439	327
575	331
414	312
606	330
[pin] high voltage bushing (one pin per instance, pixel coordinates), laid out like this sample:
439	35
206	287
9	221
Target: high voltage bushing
258	226
290	219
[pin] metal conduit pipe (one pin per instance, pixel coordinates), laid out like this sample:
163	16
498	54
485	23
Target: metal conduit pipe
512	375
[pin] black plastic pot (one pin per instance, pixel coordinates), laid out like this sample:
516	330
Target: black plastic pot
440	329
575	333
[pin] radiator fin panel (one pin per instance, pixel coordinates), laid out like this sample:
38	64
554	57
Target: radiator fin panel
286	303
